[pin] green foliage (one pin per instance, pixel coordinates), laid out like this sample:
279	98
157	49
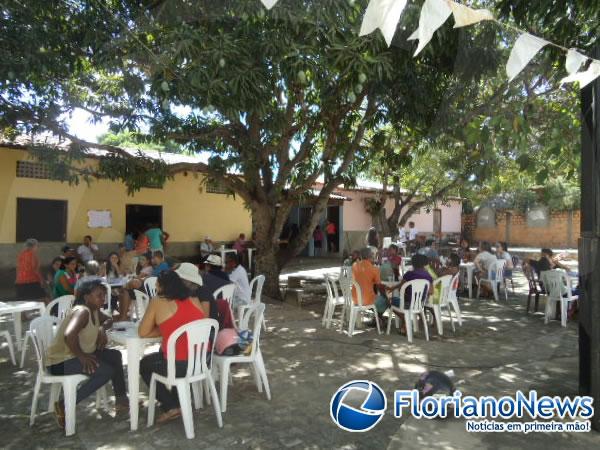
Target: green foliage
130	139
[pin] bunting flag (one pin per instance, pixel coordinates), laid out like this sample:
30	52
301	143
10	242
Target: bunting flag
526	47
574	61
269	3
586	77
382	14
433	15
464	16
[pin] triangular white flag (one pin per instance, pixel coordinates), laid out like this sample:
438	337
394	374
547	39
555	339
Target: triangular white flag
382	14
574	61
433	15
524	50
586	77
463	15
269	3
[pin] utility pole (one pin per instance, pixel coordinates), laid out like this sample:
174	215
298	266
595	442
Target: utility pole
589	247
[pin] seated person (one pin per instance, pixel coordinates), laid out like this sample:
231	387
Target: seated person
240	244
418	272
484	259
354	257
206	247
368	278
127	260
546	262
502	253
464	252
91	273
79	348
452	268
159	263
171	309
239	276
394	259
65	278
429	250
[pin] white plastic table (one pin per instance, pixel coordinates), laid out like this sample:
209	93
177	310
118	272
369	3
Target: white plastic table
16	308
469	267
135	350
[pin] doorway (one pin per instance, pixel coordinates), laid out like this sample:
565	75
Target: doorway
333	215
137	217
44	220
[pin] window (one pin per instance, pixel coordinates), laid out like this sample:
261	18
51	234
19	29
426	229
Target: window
32	169
44	220
213	187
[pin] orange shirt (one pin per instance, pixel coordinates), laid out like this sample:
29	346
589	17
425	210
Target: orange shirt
28	268
330	229
367	276
141	244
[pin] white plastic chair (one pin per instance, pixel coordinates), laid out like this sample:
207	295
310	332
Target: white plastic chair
42	332
63	305
495	279
359	308
226	292
6	335
345	283
256	286
405	266
222	364
141	303
150	286
416	308
557	285
387	241
453	298
333	299
108	307
444	287
198	335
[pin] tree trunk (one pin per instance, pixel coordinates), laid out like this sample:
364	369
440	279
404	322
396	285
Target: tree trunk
267	249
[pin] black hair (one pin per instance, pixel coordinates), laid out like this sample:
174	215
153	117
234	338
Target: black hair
68	260
86	288
419	261
393	246
172	286
486	246
232	257
547	251
429	242
454	260
504	246
109	265
158	254
88	236
66	248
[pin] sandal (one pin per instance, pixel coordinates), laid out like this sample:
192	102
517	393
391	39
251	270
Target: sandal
168	416
59	414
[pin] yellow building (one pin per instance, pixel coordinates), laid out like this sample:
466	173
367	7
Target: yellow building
32	205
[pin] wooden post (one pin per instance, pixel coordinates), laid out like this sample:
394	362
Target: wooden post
589	247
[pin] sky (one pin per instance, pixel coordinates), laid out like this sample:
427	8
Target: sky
81	126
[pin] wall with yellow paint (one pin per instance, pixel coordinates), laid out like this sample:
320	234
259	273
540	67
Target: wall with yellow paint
189	213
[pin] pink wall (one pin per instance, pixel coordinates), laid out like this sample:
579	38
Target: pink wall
357	219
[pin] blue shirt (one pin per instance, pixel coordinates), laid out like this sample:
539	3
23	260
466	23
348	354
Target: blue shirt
163	266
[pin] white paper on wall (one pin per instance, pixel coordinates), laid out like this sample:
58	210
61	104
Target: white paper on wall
574	61
586	77
463	15
382	14
526	47
99	219
433	15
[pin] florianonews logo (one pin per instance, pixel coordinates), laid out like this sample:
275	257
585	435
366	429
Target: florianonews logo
358	406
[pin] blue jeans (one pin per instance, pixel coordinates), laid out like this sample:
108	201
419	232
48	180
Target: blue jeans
110	367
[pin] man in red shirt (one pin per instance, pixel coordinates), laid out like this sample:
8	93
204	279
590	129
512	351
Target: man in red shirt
331	231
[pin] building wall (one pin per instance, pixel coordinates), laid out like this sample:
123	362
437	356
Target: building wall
562	231
189	213
357	219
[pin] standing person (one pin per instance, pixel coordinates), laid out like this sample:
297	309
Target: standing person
29	282
331	231
79	348
401	233
171	309
54	267
239	276
157	238
318	240
129	241
65	278
88	250
128	260
142	243
206	247
240	244
412	237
